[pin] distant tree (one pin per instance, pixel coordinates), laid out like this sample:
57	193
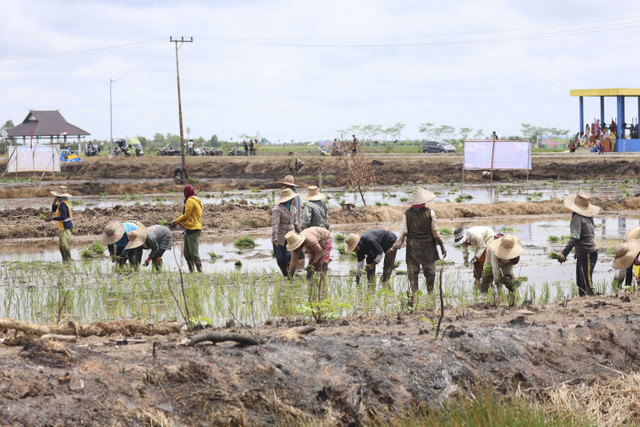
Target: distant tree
214	141
426	128
394	131
7	125
532	132
479	134
464	132
143	141
445	131
158	137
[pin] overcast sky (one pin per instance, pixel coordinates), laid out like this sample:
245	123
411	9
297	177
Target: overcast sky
302	70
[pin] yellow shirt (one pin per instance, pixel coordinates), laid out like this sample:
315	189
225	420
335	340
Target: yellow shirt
192	216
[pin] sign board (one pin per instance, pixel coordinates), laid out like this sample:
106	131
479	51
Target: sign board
43	158
507	154
552	141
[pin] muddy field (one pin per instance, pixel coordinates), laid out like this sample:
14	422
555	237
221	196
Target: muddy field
351	370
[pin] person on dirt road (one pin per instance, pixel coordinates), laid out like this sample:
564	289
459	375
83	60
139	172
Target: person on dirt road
474	240
420	228
317	243
159	239
191	220
373	246
124	242
284	219
316	213
582	239
61	207
502	254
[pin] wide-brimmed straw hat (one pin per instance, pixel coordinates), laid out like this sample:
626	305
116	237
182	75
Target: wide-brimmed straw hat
351	242
581	204
634	233
113	231
62	192
506	247
286	195
420	196
289	180
313	194
137	237
294	240
459	236
625	253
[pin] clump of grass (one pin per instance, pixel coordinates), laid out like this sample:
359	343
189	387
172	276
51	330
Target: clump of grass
403	199
244	242
339	237
42	216
341	250
75	202
509	229
446	231
214	256
238	263
97	247
102	194
611	251
557	239
192	180
164	222
86	254
159	199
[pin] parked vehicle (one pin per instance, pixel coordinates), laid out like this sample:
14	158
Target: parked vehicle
235	152
214	152
92	150
438	147
199	151
168	151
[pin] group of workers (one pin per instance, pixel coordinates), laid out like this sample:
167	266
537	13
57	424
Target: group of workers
298	230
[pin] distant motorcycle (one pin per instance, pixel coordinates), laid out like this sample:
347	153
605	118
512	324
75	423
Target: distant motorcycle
214	152
236	152
168	151
138	151
91	151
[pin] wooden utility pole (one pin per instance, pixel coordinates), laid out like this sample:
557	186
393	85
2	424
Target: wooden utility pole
176	41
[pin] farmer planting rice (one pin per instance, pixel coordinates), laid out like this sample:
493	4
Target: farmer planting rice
284	219
502	254
124	242
624	261
582	239
474	240
316	212
372	247
191	219
317	243
62	209
420	228
159	239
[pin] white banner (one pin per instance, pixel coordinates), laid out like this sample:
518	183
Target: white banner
507	154
43	158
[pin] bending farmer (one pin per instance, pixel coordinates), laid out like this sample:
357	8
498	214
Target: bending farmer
124	241
372	246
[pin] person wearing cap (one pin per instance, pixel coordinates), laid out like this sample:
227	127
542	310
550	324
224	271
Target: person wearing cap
284	219
124	241
191	220
317	243
474	240
502	254
420	228
371	247
316	213
61	207
289	182
582	239
159	239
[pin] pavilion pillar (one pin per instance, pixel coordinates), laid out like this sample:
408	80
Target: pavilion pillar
620	119
601	111
581	103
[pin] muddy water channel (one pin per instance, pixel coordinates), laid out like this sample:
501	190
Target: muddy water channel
381	195
35	286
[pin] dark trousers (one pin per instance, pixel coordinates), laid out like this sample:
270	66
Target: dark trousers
132	255
283	256
387	266
584	273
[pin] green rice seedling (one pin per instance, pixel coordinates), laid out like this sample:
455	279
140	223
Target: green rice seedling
403	199
341	250
214	256
191	180
76	202
164	222
446	231
42	216
238	263
610	251
339	237
441	262
102	194
159	199
244	242
437	193
378	204
553	255
86	253
97	247
553	239
509	229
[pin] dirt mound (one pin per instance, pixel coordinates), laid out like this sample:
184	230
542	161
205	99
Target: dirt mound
350	372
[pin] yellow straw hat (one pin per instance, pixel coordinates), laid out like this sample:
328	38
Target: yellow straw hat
581	204
313	194
506	247
351	242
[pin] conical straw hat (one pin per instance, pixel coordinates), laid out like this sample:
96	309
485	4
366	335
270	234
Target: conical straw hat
294	240
506	247
351	242
286	195
420	196
581	204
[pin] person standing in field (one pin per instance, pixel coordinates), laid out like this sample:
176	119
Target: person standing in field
159	239
284	218
61	207
289	182
582	239
372	247
191	219
474	240
246	148
316	213
420	228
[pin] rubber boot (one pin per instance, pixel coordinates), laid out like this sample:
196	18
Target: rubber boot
198	264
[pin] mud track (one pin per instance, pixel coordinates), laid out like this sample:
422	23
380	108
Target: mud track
347	372
246	218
